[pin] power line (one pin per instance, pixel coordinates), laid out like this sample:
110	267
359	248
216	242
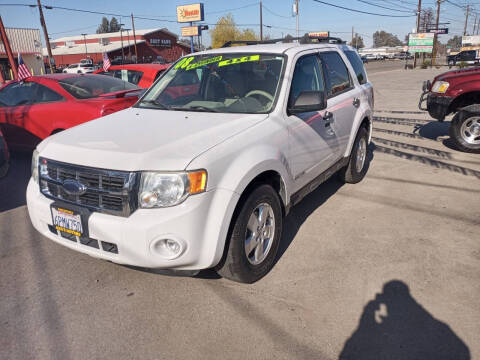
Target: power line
360	11
383	7
273	13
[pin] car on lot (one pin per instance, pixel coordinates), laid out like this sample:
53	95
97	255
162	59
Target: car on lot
4	156
80	68
467	57
204	180
142	75
32	109
371	57
456	92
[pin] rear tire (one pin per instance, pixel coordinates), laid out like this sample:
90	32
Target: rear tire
465	131
254	237
357	165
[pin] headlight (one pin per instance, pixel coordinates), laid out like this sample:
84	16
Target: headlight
35	166
169	189
440	87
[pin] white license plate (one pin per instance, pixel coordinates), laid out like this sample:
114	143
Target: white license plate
67	221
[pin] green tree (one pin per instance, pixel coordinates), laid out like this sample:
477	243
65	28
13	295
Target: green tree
114	25
383	38
357	42
104	27
455	42
226	30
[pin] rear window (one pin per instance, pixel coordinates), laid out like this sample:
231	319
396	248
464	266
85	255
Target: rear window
357	65
86	87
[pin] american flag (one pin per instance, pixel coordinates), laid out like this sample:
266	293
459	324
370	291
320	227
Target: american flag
106	62
23	71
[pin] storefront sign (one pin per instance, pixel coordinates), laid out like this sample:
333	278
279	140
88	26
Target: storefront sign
160	42
320	34
189	13
190	31
441	31
421	42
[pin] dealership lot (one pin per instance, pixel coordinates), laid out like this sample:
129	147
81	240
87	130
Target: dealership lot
414	219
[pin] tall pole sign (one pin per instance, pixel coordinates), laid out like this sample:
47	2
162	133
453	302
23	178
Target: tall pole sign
190	14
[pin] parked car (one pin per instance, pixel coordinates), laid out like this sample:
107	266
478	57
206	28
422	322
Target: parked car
4	156
80	68
468	57
370	57
364	59
142	75
456	92
204	180
42	105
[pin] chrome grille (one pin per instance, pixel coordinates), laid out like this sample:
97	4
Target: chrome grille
112	192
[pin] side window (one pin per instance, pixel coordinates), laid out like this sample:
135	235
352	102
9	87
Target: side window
133	76
357	65
336	73
307	76
16	94
43	94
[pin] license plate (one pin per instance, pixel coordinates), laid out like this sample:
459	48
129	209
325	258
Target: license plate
67	221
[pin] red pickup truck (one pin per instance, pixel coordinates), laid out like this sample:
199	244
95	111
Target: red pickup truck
456	92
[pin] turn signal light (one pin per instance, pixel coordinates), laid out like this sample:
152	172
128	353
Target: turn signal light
198	181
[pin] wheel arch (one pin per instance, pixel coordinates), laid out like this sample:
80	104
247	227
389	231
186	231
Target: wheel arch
365	121
464	100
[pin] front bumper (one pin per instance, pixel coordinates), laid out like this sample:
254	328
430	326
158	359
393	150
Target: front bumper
200	224
437	105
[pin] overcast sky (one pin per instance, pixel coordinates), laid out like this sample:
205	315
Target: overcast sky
314	16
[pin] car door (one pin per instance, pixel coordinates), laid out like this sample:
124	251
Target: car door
313	145
343	97
31	106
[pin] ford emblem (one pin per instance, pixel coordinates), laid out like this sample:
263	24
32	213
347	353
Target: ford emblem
74	187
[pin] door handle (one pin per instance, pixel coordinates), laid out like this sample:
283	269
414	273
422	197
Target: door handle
356	102
328	116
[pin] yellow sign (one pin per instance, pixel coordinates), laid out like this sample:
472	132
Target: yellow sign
189	13
320	34
190	31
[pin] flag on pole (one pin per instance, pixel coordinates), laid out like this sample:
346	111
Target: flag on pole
106	62
23	71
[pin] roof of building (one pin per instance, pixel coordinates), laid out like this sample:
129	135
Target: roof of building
23	40
91	48
114	34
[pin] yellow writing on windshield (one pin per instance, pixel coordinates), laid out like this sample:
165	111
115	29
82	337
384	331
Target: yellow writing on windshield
239	60
184	62
204	62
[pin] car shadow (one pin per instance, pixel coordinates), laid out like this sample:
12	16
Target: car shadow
395	326
433	130
13	186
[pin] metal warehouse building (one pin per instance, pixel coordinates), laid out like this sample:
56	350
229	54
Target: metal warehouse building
152	45
26	42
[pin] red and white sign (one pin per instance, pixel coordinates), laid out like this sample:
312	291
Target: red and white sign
189	13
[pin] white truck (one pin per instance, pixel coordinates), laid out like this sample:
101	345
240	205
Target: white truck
201	172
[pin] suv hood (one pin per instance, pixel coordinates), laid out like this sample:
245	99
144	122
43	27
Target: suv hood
145	139
457	74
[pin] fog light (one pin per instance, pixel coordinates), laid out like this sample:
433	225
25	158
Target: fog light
168	248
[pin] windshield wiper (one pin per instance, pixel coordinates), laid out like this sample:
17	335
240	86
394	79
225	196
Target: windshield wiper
199	108
154	102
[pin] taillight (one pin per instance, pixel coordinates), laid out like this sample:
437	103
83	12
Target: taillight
107	111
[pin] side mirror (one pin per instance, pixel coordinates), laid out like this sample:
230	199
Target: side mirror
309	101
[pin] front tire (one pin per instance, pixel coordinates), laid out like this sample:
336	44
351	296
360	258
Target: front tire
465	131
357	166
254	237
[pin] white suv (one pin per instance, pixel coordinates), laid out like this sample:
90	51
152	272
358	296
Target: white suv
201	172
81	68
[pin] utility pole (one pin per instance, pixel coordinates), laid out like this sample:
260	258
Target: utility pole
296	12
435	39
466	21
85	43
474	24
419	11
352	35
261	22
45	33
134	40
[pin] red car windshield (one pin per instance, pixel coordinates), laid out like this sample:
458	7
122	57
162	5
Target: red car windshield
86	87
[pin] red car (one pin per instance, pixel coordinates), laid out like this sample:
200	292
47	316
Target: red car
142	75
39	106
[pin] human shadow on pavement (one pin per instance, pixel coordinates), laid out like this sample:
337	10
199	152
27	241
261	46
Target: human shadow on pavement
395	326
13	186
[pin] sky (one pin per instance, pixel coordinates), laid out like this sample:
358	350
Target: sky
277	16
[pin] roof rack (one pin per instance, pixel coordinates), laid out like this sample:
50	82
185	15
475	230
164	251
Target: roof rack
302	40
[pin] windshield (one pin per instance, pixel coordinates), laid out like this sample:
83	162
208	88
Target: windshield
227	83
90	86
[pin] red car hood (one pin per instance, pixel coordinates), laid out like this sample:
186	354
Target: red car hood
457	74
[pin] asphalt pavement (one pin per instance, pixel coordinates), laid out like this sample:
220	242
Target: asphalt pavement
387	268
